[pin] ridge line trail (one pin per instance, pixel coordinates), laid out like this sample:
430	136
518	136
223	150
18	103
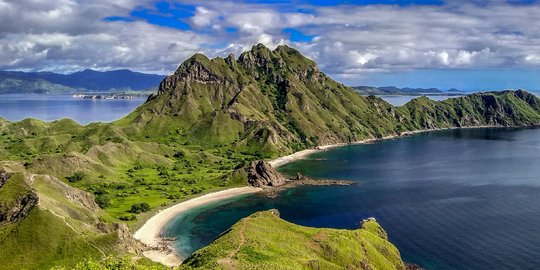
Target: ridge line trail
32	178
77	232
242	240
227	262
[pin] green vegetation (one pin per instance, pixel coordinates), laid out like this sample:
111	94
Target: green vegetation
78	176
139	208
212	116
122	263
264	241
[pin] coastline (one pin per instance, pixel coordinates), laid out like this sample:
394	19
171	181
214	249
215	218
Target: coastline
160	249
280	161
150	233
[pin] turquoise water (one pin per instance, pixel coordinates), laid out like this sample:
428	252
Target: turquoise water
458	199
15	107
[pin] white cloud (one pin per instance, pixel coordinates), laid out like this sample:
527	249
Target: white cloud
67	35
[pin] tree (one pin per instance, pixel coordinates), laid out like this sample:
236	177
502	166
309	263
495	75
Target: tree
103	200
76	177
139	208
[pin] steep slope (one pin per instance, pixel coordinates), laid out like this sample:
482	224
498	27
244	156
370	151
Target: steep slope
264	241
45	222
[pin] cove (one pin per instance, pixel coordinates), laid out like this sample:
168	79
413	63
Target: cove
454	199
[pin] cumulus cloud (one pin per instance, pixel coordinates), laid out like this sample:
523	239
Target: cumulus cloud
69	35
348	40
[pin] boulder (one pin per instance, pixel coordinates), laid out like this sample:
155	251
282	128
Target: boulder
262	174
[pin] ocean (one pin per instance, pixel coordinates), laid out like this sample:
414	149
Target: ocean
455	199
15	107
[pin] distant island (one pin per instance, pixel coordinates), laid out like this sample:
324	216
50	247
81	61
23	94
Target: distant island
71	196
392	90
16	82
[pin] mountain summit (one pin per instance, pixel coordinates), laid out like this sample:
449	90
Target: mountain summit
277	101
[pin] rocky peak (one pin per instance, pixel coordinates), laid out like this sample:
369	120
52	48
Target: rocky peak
197	68
262	174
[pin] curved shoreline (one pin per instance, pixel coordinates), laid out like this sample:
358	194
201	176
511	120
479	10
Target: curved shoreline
150	233
160	249
278	162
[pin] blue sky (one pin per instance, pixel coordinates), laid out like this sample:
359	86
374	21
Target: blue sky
471	45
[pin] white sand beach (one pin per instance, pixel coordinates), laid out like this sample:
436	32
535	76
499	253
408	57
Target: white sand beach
150	232
304	153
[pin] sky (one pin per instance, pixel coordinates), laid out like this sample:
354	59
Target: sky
469	45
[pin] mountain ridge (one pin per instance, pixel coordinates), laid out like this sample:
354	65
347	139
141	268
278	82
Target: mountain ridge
279	96
82	81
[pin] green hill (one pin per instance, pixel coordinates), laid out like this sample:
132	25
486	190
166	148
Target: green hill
264	241
210	118
269	103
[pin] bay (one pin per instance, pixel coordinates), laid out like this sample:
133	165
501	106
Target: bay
455	199
16	107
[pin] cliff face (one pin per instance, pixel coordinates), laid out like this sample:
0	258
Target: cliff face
273	102
261	174
16	198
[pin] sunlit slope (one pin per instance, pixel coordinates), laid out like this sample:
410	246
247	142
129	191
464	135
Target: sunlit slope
264	241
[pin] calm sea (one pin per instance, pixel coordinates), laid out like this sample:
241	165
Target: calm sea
16	107
458	199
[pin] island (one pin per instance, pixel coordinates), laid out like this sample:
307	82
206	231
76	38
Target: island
72	196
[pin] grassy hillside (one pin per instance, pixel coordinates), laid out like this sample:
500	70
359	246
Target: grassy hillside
210	117
264	241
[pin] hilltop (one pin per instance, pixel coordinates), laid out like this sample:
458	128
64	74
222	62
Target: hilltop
265	241
201	132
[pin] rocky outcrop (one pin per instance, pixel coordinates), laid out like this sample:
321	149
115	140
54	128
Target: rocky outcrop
126	241
4	176
74	195
16	202
262	174
19	209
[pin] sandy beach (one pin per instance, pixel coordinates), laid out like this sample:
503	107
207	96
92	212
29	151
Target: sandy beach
150	232
304	153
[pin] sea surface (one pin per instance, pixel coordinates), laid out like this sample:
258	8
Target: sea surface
456	199
398	100
15	107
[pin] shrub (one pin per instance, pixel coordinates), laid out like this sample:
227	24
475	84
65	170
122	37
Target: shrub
78	176
128	217
139	208
103	200
179	154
